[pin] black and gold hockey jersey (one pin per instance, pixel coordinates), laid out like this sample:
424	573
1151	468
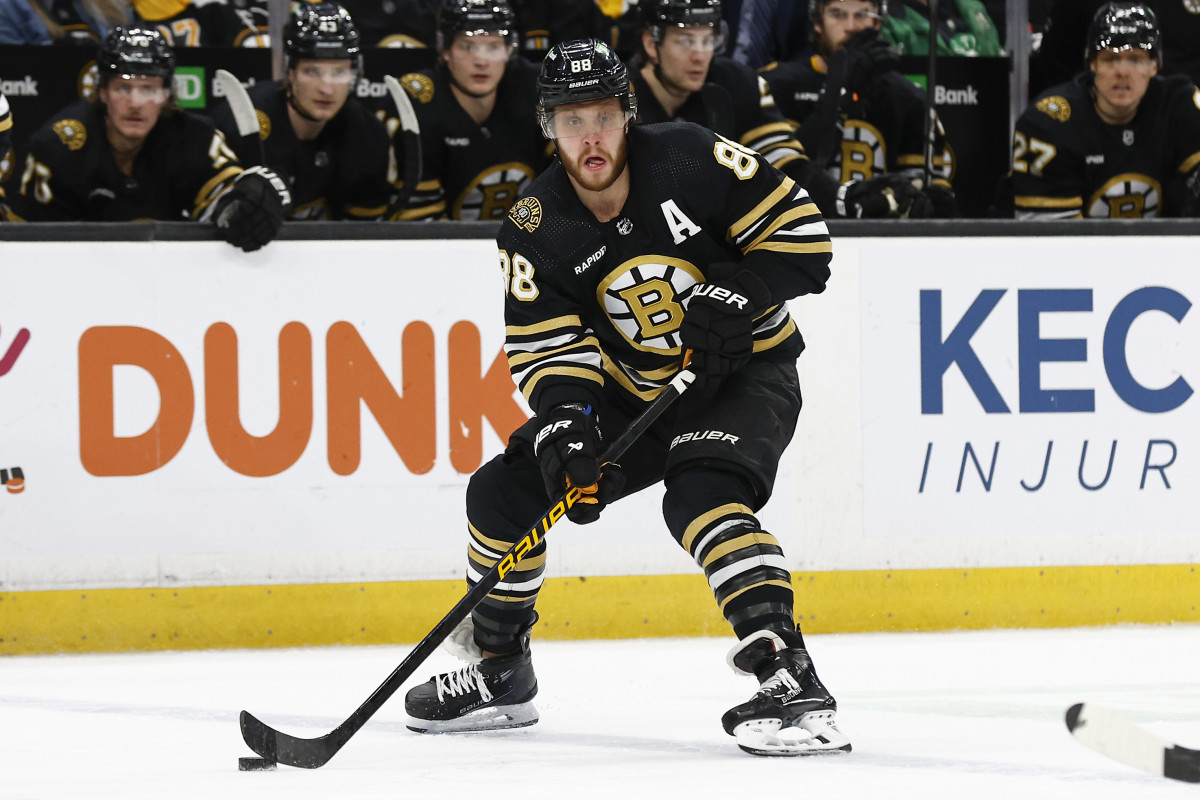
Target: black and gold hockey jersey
472	171
69	172
735	103
1068	162
588	303
207	23
395	23
882	127
342	174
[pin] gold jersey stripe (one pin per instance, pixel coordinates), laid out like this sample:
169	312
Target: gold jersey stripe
796	247
568	321
767	130
421	212
520	359
744	589
707	518
766	344
1190	162
204	196
1032	201
783	219
782	191
740	543
570	372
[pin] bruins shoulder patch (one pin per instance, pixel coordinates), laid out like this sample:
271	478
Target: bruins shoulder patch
72	133
1055	107
419	86
264	124
526	213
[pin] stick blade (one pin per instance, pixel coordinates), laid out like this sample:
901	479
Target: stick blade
1112	735
284	749
240	105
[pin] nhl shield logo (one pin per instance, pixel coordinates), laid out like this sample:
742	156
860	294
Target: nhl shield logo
526	213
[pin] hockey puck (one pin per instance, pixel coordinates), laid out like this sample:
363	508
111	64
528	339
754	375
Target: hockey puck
255	764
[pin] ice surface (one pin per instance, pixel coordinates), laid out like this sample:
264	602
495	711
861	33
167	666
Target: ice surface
974	715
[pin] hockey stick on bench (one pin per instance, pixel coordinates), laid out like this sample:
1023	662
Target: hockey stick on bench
294	751
242	108
1113	735
411	137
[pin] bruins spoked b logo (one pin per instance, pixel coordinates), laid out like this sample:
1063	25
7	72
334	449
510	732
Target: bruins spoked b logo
642	298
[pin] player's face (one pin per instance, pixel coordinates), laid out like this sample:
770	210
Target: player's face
591	142
134	105
841	19
477	63
1121	80
320	86
684	55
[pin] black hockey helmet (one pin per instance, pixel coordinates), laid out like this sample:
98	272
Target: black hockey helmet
581	71
135	52
322	31
816	8
658	15
1124	26
475	17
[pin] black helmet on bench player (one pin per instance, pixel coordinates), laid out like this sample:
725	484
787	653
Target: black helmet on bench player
581	71
1124	26
322	31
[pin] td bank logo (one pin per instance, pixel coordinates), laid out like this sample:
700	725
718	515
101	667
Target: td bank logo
190	87
13	480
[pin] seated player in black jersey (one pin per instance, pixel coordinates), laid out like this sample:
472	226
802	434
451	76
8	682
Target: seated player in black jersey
637	246
131	154
1119	140
335	155
861	119
206	23
480	142
678	76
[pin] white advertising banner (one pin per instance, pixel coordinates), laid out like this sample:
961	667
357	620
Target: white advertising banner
1032	399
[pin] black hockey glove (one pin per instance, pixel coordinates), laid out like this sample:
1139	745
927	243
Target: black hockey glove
718	325
250	214
888	196
567	449
1191	203
867	57
944	204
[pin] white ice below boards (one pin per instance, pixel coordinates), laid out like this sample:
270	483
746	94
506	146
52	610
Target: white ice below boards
975	715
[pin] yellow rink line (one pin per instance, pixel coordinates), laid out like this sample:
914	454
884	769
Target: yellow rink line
115	620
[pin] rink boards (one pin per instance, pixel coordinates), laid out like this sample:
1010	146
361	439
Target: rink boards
202	448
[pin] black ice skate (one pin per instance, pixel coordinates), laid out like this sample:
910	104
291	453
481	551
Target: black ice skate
494	694
792	714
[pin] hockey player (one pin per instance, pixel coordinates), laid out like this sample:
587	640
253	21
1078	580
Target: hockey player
607	286
860	118
207	23
333	152
479	139
679	77
131	155
1117	141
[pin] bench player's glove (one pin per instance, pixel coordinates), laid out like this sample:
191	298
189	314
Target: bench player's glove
567	450
1191	203
250	214
867	57
887	196
718	325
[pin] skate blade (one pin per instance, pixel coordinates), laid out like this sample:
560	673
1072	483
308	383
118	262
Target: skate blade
812	735
497	718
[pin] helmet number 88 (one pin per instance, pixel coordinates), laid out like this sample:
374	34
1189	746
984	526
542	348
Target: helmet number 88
582	65
738	158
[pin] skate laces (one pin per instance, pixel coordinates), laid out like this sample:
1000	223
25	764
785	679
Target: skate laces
460	682
783	682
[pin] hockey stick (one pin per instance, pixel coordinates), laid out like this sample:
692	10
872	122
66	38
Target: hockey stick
242	108
411	136
294	751
930	87
1113	735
